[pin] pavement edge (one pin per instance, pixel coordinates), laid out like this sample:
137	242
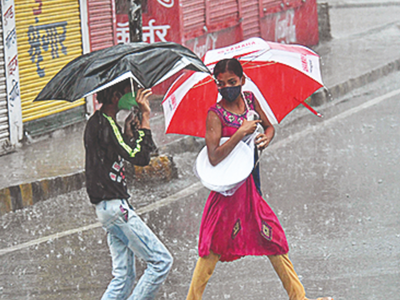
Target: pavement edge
160	169
27	194
325	95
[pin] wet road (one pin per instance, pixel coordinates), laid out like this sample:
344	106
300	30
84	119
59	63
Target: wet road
333	182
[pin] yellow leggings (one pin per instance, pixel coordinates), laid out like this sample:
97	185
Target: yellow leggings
283	266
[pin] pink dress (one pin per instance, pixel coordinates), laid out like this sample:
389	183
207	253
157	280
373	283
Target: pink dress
241	224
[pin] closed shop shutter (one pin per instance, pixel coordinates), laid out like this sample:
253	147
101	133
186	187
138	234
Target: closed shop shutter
194	18
222	14
251	19
222	11
102	24
4	124
48	37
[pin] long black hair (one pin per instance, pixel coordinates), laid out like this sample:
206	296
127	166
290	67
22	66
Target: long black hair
228	65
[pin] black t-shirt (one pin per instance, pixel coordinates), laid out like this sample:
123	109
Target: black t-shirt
106	150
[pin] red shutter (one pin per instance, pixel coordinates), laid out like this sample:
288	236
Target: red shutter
223	10
251	19
194	18
102	23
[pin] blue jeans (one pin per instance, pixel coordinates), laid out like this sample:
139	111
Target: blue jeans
127	236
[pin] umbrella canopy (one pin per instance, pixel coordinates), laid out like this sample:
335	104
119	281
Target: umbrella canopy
147	64
280	76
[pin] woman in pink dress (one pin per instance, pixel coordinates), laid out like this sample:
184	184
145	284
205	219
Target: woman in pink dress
243	223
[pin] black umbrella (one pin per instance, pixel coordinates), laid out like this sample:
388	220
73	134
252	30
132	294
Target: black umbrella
147	64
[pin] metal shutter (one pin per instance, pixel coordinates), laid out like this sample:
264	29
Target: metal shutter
251	18
4	123
194	17
223	10
48	37
102	23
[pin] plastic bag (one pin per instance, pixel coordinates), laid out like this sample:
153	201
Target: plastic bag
230	173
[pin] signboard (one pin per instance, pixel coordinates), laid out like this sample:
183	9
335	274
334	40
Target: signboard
12	70
162	21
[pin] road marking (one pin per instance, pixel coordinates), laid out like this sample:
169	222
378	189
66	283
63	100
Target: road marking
48	238
198	186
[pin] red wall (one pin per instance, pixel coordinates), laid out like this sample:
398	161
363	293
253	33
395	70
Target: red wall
296	24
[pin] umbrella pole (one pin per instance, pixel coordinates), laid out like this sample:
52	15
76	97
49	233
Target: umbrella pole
132	87
310	108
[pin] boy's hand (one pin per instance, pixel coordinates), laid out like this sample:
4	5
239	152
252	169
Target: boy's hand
142	98
131	122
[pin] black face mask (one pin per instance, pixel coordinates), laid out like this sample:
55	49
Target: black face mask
230	93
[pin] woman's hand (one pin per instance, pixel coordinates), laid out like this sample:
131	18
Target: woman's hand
262	141
248	127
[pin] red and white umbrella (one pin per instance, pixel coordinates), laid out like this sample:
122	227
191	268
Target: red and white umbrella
280	76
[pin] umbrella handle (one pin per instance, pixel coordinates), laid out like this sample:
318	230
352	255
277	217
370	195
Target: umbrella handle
258	160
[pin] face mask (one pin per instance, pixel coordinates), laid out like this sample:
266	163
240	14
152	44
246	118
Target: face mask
127	101
230	93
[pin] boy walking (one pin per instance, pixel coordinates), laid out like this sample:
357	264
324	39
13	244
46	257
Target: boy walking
127	235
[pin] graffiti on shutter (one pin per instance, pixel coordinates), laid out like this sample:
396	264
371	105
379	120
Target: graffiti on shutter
49	36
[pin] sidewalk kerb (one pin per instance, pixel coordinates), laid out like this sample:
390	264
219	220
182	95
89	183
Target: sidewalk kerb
341	89
26	194
161	168
364	4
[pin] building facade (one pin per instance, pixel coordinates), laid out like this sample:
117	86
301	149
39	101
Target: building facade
39	37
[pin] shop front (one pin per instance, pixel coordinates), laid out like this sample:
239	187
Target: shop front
49	35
